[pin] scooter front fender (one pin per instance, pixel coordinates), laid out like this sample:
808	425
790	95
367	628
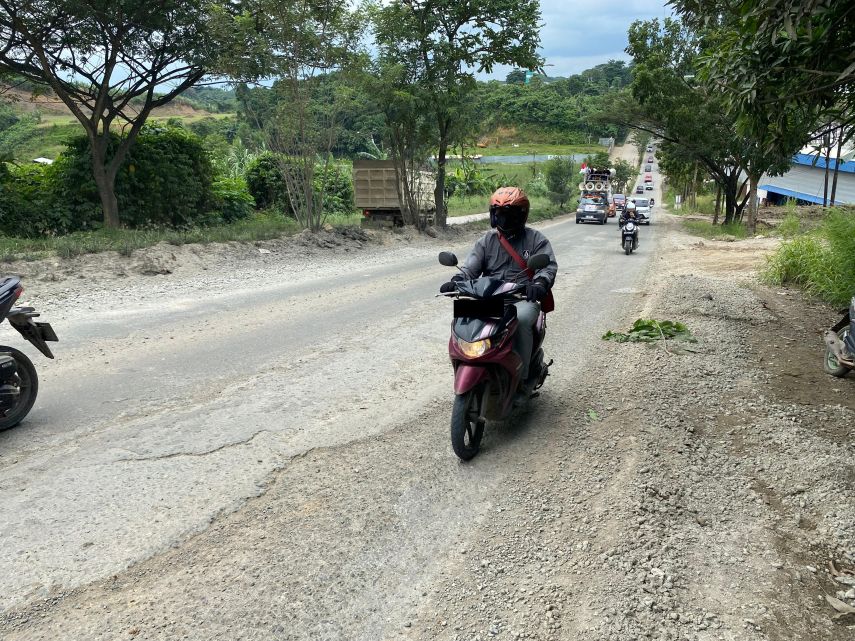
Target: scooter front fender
467	377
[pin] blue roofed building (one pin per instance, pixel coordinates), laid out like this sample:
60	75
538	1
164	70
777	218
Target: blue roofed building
805	181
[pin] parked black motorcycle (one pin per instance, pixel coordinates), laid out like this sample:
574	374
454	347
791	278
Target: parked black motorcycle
840	344
19	383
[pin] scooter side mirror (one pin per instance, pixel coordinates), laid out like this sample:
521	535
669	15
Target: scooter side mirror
538	261
448	259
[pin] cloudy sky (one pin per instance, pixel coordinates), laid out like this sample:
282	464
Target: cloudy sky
578	35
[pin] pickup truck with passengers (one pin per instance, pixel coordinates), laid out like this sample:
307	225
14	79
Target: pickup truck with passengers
595	192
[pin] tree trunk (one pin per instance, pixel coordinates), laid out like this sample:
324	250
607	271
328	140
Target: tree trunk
439	192
754	180
730	198
695	187
105	180
827	159
837	167
717	204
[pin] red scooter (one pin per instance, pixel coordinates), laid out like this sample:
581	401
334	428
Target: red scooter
487	371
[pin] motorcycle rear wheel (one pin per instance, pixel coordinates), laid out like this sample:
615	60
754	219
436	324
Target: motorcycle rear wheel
29	389
466	428
831	364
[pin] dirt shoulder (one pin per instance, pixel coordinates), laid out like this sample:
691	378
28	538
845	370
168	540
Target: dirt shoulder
704	493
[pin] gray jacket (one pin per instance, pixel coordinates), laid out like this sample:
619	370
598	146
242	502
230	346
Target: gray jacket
489	258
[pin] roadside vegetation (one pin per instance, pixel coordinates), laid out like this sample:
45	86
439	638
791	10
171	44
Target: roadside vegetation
820	260
731	93
281	151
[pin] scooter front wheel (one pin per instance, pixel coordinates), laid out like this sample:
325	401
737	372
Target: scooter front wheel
467	428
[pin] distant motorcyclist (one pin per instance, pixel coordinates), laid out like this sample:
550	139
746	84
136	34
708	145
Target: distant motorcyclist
628	213
509	208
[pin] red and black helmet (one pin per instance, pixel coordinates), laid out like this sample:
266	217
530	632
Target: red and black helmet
509	208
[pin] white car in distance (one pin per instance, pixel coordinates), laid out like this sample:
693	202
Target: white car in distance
643	210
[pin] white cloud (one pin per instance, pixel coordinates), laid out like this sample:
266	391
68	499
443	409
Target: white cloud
578	35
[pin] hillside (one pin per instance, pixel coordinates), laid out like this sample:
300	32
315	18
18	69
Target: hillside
37	125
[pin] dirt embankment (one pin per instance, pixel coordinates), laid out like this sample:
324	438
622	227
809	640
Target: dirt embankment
49	103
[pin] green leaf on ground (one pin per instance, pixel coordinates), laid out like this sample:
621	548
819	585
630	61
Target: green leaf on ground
593	415
650	331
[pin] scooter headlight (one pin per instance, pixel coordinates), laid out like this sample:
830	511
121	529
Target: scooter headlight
473	350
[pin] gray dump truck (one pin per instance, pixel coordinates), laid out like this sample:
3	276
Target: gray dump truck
374	192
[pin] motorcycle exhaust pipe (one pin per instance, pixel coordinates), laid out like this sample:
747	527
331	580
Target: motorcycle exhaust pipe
833	342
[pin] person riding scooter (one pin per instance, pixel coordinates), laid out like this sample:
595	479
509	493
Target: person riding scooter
627	214
501	253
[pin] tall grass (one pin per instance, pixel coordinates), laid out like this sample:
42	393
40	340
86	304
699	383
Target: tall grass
822	261
705	204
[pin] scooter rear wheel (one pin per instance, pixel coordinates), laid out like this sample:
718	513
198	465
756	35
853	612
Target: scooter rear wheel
29	389
832	365
466	426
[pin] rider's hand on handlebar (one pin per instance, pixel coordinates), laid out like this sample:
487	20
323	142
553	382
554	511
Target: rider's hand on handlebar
536	290
450	286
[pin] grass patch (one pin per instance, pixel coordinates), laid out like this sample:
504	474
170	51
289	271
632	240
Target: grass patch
527	149
45	141
716	232
820	261
261	226
465	206
705	204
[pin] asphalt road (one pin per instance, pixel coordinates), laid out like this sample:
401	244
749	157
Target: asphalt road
160	419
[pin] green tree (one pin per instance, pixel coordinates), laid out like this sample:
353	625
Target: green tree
624	172
516	77
300	43
782	67
444	43
560	174
670	101
405	108
110	62
781	53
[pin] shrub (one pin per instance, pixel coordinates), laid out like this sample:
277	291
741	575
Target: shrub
165	181
337	182
266	182
537	187
232	200
560	173
28	203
